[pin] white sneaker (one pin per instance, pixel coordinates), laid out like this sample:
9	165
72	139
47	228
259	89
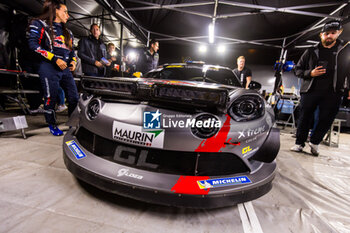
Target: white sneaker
314	149
61	108
38	110
297	148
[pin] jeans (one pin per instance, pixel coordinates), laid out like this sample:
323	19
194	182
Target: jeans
328	103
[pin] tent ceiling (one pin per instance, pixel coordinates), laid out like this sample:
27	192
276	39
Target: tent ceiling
82	15
235	21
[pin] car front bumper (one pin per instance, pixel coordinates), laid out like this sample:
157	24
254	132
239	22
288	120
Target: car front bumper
161	188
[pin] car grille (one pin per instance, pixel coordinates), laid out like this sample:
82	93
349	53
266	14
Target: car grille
162	161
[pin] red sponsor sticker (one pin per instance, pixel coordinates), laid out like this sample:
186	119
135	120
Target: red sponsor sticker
214	144
189	185
42	52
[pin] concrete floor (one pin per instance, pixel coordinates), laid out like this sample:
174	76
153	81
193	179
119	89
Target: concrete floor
38	194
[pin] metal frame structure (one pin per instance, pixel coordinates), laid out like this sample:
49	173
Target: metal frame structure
258	9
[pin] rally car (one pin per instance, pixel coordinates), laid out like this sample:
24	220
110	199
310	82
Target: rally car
184	135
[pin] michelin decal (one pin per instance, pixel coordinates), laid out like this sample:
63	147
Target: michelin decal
214	183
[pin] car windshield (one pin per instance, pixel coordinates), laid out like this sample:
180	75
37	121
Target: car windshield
208	74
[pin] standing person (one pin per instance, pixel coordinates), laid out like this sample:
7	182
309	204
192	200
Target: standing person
49	37
93	54
149	59
323	70
113	69
244	74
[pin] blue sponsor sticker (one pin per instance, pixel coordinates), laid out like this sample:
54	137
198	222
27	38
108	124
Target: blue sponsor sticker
151	120
213	183
78	153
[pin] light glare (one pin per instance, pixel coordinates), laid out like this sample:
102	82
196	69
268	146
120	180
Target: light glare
221	49
203	49
211	33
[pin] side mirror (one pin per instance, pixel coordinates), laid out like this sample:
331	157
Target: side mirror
254	85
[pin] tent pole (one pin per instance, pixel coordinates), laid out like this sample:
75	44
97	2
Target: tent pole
148	38
121	47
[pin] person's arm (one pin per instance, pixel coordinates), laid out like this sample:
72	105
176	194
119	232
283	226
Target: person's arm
249	79
36	36
303	71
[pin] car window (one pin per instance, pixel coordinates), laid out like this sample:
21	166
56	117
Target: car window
219	75
223	76
152	74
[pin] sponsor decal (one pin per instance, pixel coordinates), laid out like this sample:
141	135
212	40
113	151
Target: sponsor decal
78	153
157	120
251	139
174	66
188	185
42	52
214	183
125	172
59	42
137	135
45	53
60	38
219	141
246	150
151	120
174	82
251	132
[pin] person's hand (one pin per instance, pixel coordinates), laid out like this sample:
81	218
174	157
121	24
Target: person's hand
113	58
108	64
72	66
318	71
62	64
98	64
349	95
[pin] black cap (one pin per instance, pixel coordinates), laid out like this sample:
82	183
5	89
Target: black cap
332	25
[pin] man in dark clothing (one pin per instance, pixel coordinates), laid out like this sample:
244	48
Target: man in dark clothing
149	59
324	72
244	74
93	54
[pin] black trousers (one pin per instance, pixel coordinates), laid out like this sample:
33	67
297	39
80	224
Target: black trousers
328	103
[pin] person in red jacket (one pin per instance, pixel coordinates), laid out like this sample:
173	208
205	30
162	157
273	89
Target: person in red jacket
49	37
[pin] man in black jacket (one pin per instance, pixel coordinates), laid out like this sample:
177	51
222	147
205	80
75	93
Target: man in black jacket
93	54
149	59
324	70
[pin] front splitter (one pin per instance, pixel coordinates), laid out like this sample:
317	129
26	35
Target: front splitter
157	187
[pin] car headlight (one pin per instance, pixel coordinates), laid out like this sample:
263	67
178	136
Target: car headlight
247	108
205	125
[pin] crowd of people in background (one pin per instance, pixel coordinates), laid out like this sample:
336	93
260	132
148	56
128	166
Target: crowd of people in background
49	52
